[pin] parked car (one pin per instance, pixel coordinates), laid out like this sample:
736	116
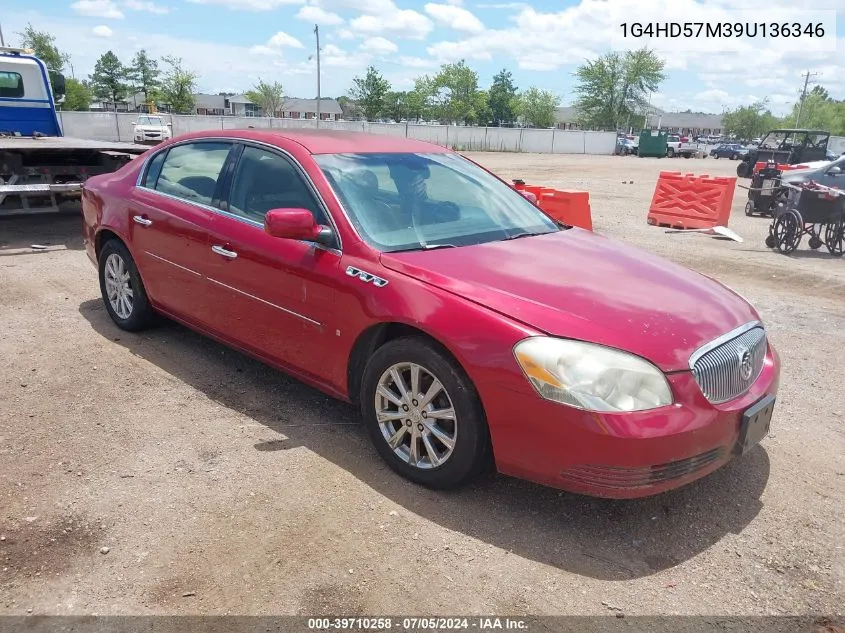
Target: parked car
734	151
828	174
151	129
626	146
470	328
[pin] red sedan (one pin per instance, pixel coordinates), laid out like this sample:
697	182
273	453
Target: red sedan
469	327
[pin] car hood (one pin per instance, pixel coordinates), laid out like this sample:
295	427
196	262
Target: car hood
151	128
578	284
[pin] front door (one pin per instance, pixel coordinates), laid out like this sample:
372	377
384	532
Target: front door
170	215
274	296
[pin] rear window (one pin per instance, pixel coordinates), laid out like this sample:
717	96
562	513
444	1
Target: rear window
11	85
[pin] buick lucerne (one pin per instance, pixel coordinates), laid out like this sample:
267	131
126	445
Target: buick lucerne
471	329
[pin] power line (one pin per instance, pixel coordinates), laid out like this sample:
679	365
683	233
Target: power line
806	76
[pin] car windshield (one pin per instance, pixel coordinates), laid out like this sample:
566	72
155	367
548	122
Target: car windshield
407	201
150	120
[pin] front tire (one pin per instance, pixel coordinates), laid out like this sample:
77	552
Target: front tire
423	414
123	291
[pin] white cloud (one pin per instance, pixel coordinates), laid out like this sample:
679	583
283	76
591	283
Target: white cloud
97	9
346	34
503	5
319	16
249	5
147	6
102	31
416	62
454	17
379	46
281	39
383	16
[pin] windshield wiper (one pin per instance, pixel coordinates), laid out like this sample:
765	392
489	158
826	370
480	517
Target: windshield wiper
424	247
516	236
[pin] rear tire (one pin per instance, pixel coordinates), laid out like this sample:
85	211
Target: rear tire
122	290
427	434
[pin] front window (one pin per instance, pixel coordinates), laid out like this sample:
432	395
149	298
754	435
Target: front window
410	201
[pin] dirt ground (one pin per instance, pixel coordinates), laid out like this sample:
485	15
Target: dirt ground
220	486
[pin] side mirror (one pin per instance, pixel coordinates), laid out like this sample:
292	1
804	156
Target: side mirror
296	224
834	171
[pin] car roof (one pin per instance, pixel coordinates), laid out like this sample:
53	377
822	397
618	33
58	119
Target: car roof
323	141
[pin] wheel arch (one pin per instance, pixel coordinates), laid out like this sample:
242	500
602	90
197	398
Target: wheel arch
377	335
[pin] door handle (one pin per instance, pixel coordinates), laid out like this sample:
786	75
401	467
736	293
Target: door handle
224	252
139	219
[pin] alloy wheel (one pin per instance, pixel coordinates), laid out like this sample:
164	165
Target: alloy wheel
416	416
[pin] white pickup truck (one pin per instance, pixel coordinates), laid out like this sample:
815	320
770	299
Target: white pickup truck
675	147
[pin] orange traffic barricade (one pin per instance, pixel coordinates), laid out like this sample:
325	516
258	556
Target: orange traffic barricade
568	207
687	201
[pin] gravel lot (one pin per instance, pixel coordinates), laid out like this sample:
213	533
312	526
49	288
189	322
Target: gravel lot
220	486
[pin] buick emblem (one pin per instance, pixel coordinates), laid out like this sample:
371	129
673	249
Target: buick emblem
746	364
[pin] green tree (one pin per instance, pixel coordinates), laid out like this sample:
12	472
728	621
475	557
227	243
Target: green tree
416	102
370	92
615	86
750	121
178	86
109	79
500	96
269	97
77	95
396	105
144	75
538	107
43	45
456	93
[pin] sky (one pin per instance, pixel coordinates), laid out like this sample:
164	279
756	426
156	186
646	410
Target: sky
233	43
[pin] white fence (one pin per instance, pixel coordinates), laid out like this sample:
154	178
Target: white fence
111	126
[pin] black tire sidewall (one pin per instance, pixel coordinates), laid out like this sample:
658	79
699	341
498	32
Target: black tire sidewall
471	451
141	309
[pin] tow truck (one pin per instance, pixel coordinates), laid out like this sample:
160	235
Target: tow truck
41	170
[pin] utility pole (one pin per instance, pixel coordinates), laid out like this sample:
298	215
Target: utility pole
807	76
317	33
2	41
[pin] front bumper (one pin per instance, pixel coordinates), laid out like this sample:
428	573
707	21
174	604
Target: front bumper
621	455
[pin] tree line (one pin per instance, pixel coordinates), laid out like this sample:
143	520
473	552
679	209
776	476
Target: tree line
611	91
113	80
819	111
452	95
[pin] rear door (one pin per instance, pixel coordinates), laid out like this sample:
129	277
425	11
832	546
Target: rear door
273	296
170	215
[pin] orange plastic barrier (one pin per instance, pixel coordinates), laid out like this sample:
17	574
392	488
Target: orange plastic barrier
780	167
569	207
687	201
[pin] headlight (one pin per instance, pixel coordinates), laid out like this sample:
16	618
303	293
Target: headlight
590	376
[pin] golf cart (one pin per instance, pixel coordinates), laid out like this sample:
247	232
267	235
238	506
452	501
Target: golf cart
786	147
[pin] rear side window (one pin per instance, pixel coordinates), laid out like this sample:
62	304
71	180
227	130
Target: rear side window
11	85
191	171
153	170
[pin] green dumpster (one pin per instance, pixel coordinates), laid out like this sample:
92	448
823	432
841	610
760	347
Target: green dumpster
653	143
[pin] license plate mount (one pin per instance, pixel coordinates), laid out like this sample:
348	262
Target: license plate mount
756	421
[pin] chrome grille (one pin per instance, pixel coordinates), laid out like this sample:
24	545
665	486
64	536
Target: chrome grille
719	369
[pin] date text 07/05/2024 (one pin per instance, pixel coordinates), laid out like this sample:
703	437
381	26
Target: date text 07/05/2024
416	624
722	29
